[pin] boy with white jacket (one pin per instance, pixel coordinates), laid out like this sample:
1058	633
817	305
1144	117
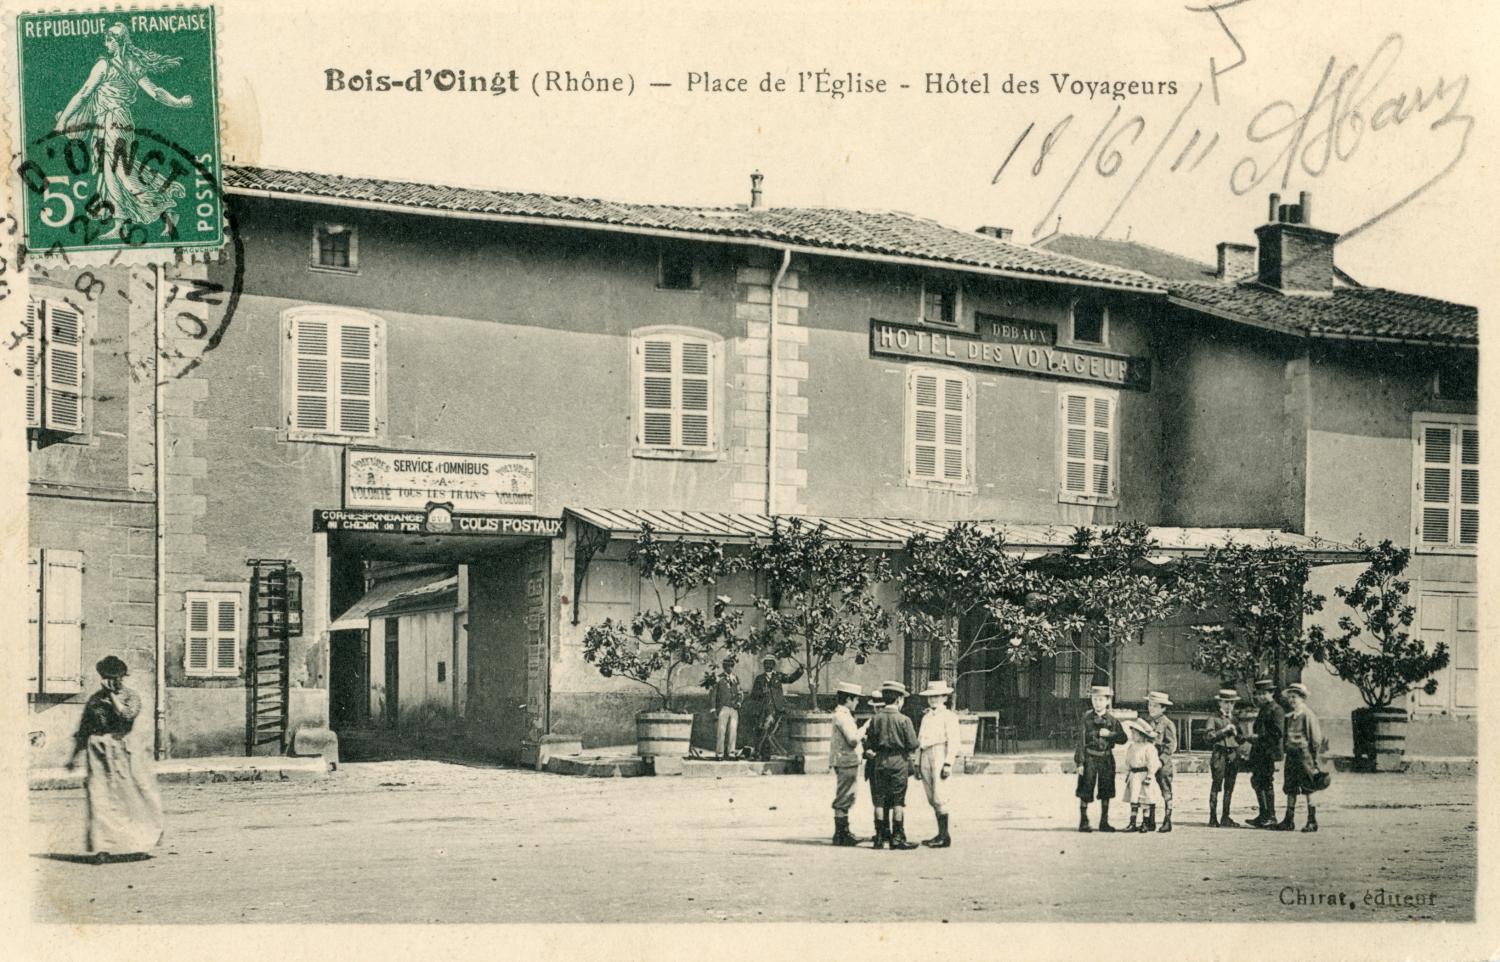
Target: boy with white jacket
938	742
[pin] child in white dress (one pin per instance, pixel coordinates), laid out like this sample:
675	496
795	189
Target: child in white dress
1141	765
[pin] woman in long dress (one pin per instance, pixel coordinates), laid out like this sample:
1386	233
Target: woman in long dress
124	815
101	109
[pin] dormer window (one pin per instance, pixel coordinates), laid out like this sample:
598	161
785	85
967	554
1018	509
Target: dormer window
677	270
940	301
1089	322
335	248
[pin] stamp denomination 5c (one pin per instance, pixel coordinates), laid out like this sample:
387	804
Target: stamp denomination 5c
120	130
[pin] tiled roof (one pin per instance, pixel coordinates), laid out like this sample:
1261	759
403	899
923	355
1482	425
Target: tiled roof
1131	256
1352	311
1032	539
850	232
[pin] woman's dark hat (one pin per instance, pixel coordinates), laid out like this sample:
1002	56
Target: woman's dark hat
111	667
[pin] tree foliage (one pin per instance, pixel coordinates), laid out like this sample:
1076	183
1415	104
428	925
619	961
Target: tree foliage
1261	593
671	634
1375	653
966	592
818	598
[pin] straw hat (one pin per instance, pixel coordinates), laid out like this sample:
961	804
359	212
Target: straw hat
936	688
849	688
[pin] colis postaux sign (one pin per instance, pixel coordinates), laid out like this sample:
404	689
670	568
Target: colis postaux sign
1017	347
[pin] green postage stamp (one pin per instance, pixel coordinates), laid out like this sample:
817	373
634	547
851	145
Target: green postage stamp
119	130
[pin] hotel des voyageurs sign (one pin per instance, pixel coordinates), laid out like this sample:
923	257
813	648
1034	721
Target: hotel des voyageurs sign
1002	344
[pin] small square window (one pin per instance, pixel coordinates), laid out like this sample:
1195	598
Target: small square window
335	247
677	271
940	302
1088	322
442	671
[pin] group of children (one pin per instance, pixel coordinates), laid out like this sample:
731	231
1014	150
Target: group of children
1151	744
892	750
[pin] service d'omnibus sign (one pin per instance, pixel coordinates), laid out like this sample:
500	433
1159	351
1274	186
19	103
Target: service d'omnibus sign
411	480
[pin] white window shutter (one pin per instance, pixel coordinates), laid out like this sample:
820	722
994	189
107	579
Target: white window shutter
34	622
1435	484
356	378
199	634
695	391
658	411
1468	487
311	362
31	340
62	367
62	621
1075	422
955	465
226	630
924	426
1102	447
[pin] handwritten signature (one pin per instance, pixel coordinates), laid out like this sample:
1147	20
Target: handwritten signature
1350	105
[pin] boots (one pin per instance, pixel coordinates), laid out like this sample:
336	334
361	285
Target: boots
898	838
882	834
1166	819
1148	824
1265	816
1225	820
941	839
1287	823
841	834
1312	820
1213	810
1104	825
1132	826
1083	819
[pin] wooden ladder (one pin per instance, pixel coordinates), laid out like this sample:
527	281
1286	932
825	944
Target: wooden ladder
269	671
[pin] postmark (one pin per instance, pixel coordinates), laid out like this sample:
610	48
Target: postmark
120	131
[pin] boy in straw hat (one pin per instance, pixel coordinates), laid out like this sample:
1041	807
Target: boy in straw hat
1099	733
1164	732
937	743
1265	751
1303	743
890	740
1223	737
1141	765
846	752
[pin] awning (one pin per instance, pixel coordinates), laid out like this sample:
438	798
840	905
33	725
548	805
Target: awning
357	616
442	593
890	533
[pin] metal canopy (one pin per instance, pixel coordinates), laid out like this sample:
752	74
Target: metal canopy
891	533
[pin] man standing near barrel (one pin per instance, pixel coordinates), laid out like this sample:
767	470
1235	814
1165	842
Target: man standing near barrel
769	696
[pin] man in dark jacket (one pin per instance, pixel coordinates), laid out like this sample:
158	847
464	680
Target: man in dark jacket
769	697
891	743
1265	751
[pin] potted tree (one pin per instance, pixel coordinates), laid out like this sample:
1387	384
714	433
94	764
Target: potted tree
1377	655
667	635
818	604
966	594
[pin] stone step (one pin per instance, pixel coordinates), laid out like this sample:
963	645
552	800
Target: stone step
236	768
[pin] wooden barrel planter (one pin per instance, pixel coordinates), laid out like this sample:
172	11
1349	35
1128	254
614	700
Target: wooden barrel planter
968	733
809	736
662	733
1379	739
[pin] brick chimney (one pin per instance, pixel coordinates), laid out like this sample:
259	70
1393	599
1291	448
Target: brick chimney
999	233
1295	257
755	193
1236	261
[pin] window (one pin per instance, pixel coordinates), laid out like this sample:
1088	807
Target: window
55	625
676	394
333	374
940	296
939	429
54	347
335	248
677	270
213	634
1089	463
1089	318
1446	473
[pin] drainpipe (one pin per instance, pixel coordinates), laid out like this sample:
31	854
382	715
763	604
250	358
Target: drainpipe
159	452
786	262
